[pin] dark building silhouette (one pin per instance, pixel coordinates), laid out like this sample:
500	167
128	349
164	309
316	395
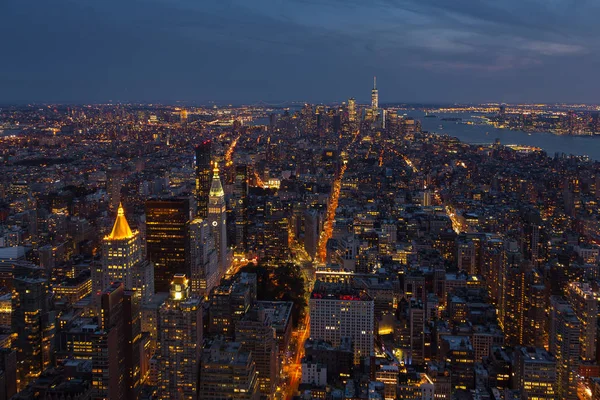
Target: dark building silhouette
167	239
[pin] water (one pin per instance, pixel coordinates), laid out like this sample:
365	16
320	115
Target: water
474	134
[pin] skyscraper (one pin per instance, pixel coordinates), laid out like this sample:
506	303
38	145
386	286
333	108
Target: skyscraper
34	325
257	336
240	193
374	95
167	239
203	258
203	172
584	303
180	339
564	345
217	217
352	110
122	259
108	346
114	182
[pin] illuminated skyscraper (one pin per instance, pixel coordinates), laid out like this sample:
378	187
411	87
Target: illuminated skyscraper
240	193
122	260
114	182
352	109
584	303
203	258
374	95
217	217
167	239
34	325
180	339
203	172
564	345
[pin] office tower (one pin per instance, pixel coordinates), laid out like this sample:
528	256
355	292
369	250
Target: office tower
229	302
338	311
203	258
114	183
374	95
167	239
122	260
227	372
565	329
352	110
203	173
535	373
240	194
584	303
256	335
108	346
180	339
132	343
217	217
34	325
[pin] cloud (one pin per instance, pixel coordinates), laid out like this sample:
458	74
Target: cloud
309	49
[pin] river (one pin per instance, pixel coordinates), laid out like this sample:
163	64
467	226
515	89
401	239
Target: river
576	145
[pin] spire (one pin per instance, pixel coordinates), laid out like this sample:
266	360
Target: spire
374	83
216	189
121	229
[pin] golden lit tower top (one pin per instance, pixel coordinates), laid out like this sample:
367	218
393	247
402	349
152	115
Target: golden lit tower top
216	189
121	229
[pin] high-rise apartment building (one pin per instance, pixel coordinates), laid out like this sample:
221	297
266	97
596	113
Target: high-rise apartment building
584	302
565	329
338	311
167	239
180	339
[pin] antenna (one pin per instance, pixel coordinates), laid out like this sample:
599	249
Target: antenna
374	82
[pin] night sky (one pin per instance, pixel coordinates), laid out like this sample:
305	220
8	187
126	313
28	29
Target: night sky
304	50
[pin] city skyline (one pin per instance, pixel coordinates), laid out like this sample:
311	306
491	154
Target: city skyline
421	51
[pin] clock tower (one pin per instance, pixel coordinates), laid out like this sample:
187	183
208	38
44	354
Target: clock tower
217	218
